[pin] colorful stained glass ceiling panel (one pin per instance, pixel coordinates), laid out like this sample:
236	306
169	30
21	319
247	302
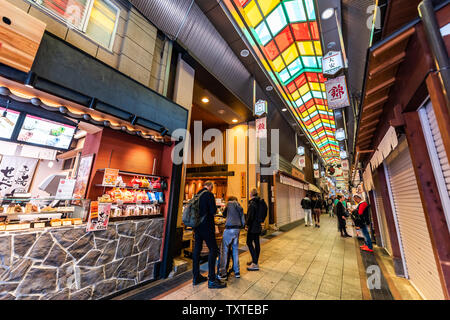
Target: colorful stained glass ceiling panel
287	33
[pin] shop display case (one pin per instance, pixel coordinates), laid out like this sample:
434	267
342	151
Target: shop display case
31	213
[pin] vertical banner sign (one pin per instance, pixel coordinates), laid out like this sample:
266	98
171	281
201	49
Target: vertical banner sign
302	161
243	185
332	63
261	129
110	177
345	174
16	174
316	174
337	94
344	165
99	216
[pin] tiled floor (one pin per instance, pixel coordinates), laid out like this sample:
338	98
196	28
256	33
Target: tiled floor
303	264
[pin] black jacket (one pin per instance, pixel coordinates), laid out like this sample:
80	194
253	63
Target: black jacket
207	208
253	224
306	203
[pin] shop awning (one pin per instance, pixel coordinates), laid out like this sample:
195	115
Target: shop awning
314	188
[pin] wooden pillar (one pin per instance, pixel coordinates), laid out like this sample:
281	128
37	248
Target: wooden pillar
429	194
390	220
439	103
376	224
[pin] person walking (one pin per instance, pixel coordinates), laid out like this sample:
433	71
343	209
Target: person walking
363	222
306	205
205	231
317	208
235	222
341	214
330	206
256	214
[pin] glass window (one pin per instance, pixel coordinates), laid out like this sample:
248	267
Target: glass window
102	22
71	11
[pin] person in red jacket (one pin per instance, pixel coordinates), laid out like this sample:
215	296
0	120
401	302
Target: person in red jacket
364	222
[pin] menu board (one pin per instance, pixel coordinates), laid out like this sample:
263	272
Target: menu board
110	177
46	132
99	216
7	125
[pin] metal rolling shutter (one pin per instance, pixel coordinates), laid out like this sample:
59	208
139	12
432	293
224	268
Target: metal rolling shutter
418	252
283	210
292	204
382	222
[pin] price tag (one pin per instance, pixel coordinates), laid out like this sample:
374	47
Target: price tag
67	223
55	223
77	221
39	225
139	202
122	185
135	186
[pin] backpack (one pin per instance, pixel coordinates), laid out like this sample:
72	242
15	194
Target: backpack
262	211
191	213
356	217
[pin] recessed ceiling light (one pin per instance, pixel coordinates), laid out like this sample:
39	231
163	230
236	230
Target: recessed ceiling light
245	53
205	100
234	120
284	109
327	13
269	88
221	111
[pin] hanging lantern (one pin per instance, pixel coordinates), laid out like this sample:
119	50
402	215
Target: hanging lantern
316	166
343	154
340	134
301	151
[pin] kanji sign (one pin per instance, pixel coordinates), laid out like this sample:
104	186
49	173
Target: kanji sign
332	63
337	94
316	174
344	165
261	128
302	162
260	107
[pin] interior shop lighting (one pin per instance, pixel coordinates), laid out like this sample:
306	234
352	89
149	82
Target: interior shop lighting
245	53
301	151
234	120
327	13
343	154
284	109
316	166
50	164
205	100
340	134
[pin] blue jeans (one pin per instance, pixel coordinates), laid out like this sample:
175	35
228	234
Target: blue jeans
230	237
366	234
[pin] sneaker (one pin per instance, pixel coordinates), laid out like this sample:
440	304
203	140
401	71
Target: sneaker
237	275
221	277
363	246
199	280
249	262
253	267
306	225
216	284
348	236
367	249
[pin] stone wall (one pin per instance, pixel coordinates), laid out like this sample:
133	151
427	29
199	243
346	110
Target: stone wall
136	50
69	263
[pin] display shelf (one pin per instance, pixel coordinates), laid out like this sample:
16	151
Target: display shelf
131	188
121	218
26	216
127	173
135	203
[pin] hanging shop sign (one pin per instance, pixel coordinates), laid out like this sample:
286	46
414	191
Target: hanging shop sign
345	174
337	94
110	177
261	128
98	216
16	174
65	189
302	161
344	165
316	174
298	174
20	37
260	107
243	185
332	63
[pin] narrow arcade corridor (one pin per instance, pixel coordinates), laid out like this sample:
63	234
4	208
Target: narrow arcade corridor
305	263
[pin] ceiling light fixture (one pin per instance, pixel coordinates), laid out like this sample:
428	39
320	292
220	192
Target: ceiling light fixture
205	100
340	134
301	151
221	111
284	109
269	88
234	120
327	13
245	53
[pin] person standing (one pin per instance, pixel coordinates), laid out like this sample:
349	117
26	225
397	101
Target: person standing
306	205
341	214
317	208
235	222
364	222
256	214
205	231
330	206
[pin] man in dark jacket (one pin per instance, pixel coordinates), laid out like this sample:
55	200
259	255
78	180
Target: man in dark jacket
256	208
206	232
306	205
341	216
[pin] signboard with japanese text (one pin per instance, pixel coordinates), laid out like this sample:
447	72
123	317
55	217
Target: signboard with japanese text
302	161
332	63
260	107
261	128
337	94
110	177
16	174
344	165
99	216
316	174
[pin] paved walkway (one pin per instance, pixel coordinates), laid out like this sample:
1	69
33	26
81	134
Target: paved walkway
305	263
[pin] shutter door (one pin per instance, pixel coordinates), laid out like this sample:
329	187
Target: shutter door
283	211
381	216
418	252
292	204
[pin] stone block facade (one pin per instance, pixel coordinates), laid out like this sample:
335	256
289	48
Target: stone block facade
70	263
136	51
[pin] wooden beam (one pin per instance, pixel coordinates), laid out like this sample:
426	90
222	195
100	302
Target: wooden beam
403	37
392	62
372	115
385	84
370	124
429	194
367	132
375	103
398	120
366	151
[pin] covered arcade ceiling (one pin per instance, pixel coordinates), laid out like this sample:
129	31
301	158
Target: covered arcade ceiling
285	36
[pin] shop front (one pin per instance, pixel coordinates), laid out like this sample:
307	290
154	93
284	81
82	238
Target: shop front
86	172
